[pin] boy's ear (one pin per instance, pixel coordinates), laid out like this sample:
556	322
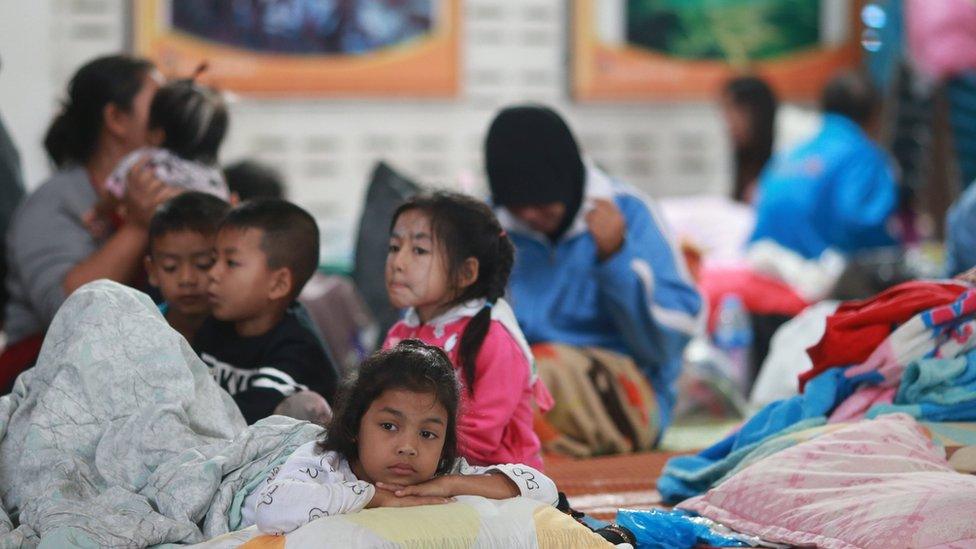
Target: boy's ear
282	282
147	263
468	274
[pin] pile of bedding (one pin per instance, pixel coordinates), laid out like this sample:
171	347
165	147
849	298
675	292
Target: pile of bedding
119	436
890	395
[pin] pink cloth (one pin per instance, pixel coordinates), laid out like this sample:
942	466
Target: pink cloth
942	35
760	293
861	401
874	484
496	423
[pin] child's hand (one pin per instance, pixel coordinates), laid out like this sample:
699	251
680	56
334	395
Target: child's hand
443	487
608	227
144	193
492	486
386	498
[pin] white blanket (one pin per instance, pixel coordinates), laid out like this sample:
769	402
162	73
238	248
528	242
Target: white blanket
120	437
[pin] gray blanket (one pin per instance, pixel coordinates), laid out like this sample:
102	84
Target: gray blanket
120	437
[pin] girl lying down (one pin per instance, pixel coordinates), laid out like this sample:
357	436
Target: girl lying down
391	443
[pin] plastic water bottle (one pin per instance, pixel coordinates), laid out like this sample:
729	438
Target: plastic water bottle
733	335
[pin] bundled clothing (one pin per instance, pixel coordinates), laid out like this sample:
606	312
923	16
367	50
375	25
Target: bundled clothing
857	328
313	484
496	421
837	191
925	368
640	302
172	170
261	371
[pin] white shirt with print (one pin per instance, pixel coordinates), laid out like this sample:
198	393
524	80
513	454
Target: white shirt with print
310	485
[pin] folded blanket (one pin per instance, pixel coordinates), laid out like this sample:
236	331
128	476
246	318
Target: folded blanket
119	436
936	390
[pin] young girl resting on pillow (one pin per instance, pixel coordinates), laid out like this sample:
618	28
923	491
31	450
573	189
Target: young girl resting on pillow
391	443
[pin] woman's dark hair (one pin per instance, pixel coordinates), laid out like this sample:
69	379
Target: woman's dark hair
464	227
852	94
193	119
115	79
411	365
757	99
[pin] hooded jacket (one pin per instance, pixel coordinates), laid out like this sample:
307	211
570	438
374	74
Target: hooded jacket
640	302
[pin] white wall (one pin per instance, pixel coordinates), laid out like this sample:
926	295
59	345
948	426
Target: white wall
513	50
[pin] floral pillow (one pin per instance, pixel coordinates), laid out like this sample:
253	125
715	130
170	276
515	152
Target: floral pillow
876	483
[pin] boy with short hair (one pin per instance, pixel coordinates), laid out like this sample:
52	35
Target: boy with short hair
259	346
181	241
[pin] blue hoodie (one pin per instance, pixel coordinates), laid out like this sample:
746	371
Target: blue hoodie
835	191
640	302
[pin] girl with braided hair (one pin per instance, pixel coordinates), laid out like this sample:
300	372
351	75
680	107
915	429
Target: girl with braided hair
448	265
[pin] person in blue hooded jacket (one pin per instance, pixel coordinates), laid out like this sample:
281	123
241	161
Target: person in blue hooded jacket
594	265
836	191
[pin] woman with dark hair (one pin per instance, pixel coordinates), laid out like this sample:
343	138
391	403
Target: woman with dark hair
749	106
56	241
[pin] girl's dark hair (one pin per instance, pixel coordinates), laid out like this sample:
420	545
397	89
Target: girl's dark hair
411	365
115	79
464	227
192	117
757	99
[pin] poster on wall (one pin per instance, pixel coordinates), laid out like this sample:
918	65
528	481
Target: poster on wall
309	48
638	50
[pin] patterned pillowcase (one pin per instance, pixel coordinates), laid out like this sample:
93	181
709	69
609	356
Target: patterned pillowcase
878	483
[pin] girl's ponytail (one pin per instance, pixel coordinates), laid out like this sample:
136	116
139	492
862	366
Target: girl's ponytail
499	266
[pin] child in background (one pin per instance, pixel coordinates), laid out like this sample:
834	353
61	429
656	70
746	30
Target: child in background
250	179
258	344
449	262
187	124
392	443
181	241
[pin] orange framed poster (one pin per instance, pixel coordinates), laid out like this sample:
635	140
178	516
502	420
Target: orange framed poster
639	50
314	48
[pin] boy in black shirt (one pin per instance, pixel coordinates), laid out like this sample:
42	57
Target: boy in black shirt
257	344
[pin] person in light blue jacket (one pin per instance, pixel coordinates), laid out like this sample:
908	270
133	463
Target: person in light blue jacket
594	264
836	191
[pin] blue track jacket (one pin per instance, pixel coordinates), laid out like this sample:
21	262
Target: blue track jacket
835	191
640	302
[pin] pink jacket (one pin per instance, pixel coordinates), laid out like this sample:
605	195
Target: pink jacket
494	424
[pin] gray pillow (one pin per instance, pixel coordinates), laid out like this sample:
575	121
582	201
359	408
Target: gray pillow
387	191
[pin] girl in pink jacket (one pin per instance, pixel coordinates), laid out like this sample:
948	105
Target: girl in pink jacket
448	264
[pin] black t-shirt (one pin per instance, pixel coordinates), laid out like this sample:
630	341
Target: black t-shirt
260	371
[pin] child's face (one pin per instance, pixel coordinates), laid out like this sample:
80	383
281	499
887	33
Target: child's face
401	438
416	272
242	285
177	264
